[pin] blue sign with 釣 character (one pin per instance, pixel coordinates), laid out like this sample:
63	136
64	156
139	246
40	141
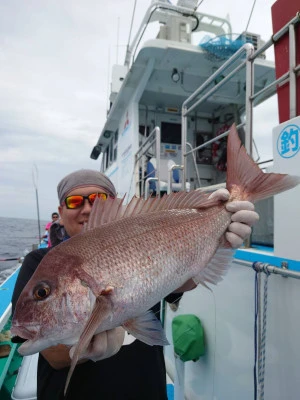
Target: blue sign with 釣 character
288	142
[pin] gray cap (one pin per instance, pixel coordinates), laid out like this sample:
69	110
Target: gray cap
82	178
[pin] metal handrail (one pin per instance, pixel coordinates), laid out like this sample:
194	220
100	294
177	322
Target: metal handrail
173	168
278	35
213	140
238	54
195	163
147	186
265	267
187	11
290	76
246	48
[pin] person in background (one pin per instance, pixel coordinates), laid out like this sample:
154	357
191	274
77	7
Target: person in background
57	233
111	368
46	235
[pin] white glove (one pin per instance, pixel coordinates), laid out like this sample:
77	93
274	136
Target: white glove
243	218
103	345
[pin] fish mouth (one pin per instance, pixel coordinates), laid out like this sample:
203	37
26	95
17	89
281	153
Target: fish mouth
21	334
28	348
29	339
18	339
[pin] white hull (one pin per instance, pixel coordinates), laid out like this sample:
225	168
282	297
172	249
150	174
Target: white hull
227	314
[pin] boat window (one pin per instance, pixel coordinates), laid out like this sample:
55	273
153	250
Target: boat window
204	155
106	158
111	148
142	130
170	133
110	153
115	145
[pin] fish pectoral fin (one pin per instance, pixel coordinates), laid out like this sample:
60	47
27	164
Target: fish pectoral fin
101	310
215	269
147	328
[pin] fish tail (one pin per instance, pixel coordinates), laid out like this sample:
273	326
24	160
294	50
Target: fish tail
245	180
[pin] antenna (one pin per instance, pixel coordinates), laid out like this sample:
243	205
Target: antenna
35	177
132	18
108	79
118	26
251	12
130	30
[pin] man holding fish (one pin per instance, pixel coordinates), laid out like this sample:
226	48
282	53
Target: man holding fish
133	371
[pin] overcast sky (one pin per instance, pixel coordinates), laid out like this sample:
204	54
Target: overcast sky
55	58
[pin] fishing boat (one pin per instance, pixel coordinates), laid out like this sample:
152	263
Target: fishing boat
172	103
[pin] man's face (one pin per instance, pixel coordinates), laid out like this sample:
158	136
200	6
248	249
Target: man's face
75	218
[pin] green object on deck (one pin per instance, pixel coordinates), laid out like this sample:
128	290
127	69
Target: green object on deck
188	337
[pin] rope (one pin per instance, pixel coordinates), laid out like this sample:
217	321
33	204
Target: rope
255	330
262	356
260	333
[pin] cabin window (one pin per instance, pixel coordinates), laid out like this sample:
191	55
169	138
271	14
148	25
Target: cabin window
115	145
110	153
111	148
170	133
106	158
204	155
142	130
104	161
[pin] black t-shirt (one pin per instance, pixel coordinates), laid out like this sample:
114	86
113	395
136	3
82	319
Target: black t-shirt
136	372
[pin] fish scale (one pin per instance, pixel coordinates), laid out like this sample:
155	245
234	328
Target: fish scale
170	262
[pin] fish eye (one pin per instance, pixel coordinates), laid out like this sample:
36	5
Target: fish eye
41	292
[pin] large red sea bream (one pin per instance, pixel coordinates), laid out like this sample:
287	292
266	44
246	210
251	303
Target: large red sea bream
130	257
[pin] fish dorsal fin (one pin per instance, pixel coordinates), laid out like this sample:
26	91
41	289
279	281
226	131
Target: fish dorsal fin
112	209
217	267
103	212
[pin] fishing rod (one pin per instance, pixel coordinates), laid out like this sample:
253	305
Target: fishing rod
10	259
35	184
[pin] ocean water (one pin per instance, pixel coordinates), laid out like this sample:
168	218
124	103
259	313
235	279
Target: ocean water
17	237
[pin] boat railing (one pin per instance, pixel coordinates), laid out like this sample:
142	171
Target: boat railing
205	22
194	100
247	49
268	268
151	146
188	144
170	173
291	75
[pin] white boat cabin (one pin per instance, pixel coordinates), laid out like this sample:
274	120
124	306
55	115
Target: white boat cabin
155	116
